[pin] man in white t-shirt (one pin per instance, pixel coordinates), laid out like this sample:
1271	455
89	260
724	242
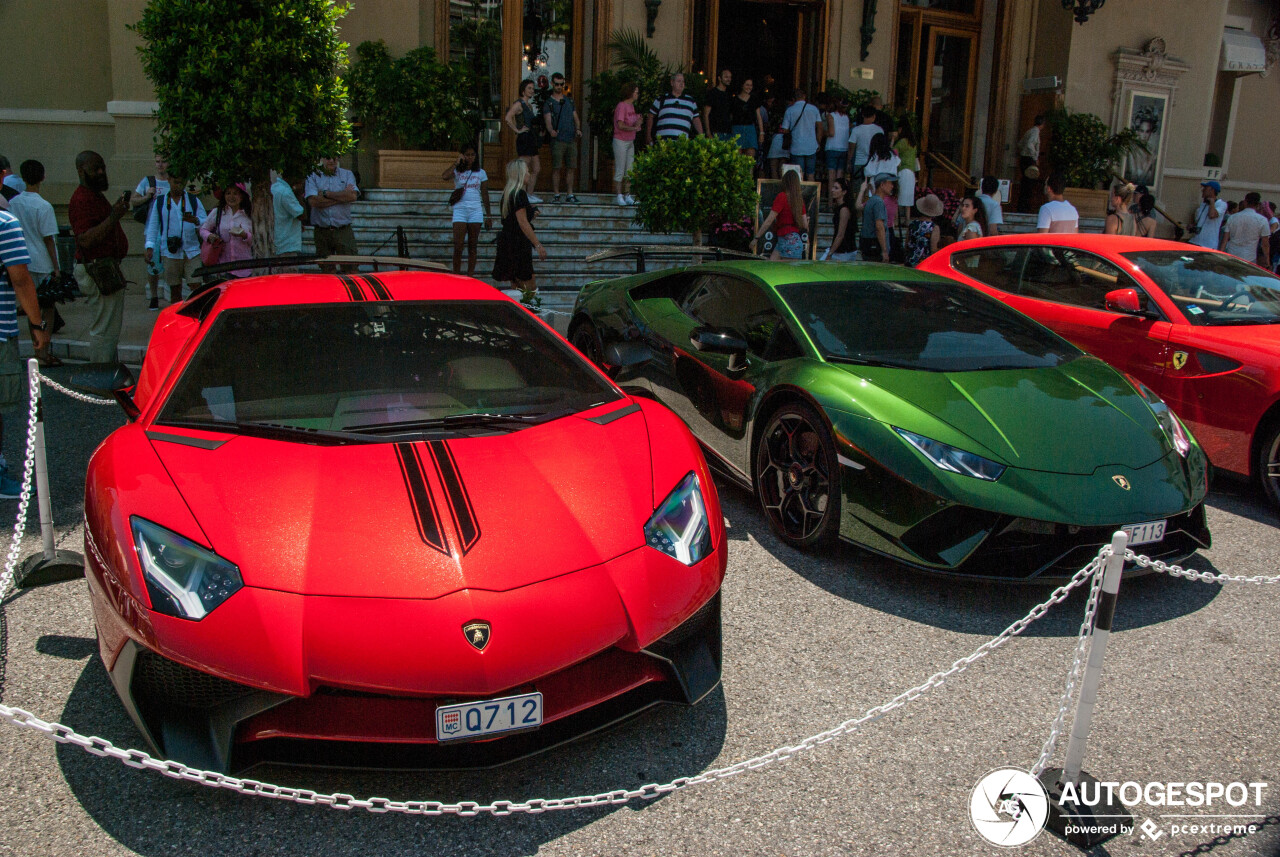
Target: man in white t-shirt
802	119
39	226
1206	226
1057	215
860	144
144	194
1242	234
990	199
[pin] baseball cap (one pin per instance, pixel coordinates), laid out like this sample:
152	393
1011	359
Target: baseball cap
884	177
1217	188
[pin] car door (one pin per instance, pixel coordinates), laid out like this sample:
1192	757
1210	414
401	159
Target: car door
712	392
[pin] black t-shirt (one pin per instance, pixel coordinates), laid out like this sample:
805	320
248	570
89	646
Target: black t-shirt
721	122
742	112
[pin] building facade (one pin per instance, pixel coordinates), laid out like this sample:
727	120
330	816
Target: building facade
1197	85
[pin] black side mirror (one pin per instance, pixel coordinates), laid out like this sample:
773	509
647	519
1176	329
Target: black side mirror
112	380
717	341
625	355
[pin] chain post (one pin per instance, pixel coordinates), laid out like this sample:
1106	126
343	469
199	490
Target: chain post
51	565
1079	821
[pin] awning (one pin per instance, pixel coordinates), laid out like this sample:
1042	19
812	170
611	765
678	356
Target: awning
1242	52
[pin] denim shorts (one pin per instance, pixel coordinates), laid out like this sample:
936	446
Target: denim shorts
837	159
806	163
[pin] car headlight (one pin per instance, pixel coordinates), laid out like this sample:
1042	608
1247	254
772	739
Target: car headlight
1169	422
950	458
183	579
680	527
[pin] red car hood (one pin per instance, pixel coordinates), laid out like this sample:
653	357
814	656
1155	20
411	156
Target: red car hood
420	520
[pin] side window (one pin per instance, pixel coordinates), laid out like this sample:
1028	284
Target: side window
728	303
1070	276
998	267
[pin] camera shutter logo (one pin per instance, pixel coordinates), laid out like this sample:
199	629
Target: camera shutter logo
1008	807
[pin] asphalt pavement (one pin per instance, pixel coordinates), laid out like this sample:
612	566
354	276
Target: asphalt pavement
1188	694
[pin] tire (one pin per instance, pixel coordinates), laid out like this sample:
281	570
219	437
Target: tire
1268	462
797	477
586	339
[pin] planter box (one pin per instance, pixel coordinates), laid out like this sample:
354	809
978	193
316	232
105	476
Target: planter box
400	168
1090	203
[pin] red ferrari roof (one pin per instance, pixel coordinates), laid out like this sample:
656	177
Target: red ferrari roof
1083	240
279	289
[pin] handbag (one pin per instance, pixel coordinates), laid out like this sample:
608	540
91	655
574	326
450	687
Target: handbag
210	252
786	134
106	275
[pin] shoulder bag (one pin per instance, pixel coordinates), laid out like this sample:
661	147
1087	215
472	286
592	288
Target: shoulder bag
211	252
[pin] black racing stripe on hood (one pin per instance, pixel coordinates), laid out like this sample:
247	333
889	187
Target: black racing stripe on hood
378	287
424	506
353	288
464	516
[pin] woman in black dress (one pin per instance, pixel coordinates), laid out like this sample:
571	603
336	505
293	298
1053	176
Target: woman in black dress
522	119
517	240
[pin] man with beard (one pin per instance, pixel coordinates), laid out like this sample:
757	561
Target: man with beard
100	245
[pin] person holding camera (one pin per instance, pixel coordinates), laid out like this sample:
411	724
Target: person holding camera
1206	228
100	245
469	192
173	237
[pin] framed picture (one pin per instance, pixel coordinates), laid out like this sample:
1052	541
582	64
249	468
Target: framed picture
768	189
1147	114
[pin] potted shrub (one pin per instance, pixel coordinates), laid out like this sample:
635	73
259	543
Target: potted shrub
683	184
417	107
1083	148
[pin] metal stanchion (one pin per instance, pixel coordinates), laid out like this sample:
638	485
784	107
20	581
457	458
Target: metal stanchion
51	565
1080	810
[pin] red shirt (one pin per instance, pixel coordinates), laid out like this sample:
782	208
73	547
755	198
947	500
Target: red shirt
784	224
87	209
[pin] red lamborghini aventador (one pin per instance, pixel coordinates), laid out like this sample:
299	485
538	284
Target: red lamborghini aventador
392	520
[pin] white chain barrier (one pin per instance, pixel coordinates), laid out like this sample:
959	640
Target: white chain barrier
337	800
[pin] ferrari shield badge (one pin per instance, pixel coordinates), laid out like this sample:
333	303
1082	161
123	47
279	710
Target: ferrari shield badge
1119	480
477	634
1179	359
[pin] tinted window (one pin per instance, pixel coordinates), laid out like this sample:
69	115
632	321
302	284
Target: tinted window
998	267
939	326
728	303
347	367
1213	288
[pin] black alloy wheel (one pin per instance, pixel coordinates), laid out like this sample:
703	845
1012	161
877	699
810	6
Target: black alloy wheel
586	339
797	480
1268	463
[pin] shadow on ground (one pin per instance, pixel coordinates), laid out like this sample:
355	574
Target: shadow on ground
154	815
956	604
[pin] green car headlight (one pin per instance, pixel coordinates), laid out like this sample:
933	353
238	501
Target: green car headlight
947	457
1169	423
183	579
680	526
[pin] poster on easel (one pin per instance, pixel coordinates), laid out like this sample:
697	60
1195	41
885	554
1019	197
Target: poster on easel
768	190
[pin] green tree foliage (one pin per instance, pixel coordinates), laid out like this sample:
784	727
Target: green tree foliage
244	87
416	101
634	61
1084	149
686	185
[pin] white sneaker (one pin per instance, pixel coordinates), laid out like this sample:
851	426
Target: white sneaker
535	199
631	200
621	200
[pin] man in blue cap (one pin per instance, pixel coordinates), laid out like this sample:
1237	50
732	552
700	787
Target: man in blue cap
1206	227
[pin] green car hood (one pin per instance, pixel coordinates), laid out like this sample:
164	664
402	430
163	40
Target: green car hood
1073	418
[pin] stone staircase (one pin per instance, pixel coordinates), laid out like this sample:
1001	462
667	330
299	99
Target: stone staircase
569	232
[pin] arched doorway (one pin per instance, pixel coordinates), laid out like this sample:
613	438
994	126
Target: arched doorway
778	45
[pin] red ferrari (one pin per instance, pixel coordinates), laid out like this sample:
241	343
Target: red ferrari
392	521
1199	327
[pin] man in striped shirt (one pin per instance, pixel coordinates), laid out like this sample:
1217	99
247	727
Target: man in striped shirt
16	287
673	114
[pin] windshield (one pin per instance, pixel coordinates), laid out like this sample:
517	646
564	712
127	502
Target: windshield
380	368
935	325
1213	288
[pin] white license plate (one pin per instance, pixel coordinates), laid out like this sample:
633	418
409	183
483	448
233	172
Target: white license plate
488	717
1141	534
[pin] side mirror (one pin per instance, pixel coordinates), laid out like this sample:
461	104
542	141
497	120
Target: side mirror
1125	301
715	341
626	355
111	380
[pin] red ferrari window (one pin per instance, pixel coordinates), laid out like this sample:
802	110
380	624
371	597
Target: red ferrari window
1213	288
359	370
